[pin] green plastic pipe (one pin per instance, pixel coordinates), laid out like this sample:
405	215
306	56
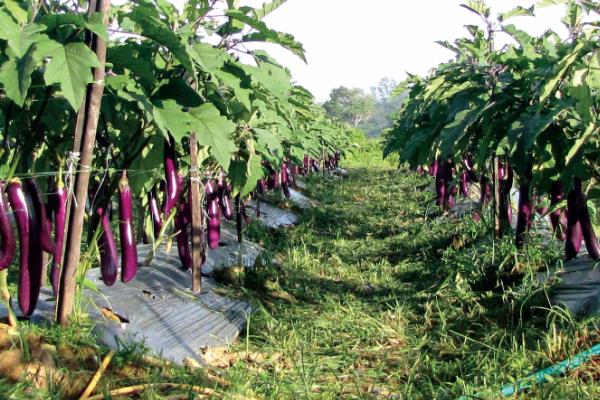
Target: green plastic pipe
540	377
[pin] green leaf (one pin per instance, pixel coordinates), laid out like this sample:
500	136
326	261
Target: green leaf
234	83
478	7
270	75
143	169
266	9
267	138
208	57
20	40
94	23
17	12
516	12
591	131
15	76
170	118
245	173
71	68
265	34
215	131
8	27
564	66
156	29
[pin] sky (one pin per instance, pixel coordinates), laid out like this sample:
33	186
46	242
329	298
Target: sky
356	43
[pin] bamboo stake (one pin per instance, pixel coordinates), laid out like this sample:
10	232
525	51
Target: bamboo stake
238	218
96	378
86	139
197	248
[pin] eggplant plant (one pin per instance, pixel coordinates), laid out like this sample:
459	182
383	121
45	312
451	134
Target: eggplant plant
532	103
131	84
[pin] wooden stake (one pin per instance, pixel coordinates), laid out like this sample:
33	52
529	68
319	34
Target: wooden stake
238	218
197	249
84	140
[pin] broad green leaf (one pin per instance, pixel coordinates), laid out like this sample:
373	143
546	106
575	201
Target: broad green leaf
135	58
21	39
265	34
15	76
154	28
580	91
563	68
215	131
171	119
94	23
71	67
478	7
267	138
143	168
234	83
17	12
591	131
266	9
550	3
516	12
8	27
208	57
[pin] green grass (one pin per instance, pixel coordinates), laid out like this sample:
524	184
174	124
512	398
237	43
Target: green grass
383	301
371	296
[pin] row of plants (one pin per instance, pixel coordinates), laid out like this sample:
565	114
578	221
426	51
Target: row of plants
139	105
525	114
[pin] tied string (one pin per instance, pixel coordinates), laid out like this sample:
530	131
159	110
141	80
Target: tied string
72	162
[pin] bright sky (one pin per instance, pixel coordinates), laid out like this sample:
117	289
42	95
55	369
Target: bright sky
355	43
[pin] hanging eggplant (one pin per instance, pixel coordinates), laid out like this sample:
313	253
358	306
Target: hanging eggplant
8	246
30	255
59	206
128	245
108	248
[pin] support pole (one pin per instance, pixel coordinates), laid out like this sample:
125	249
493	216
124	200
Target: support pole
84	140
197	248
238	218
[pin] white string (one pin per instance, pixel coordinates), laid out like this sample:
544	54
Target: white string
72	160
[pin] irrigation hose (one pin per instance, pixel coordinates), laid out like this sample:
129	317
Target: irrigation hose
540	377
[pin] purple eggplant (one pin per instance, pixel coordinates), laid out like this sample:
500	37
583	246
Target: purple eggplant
574	232
443	179
182	219
452	197
583	215
128	245
283	174
558	217
433	168
108	249
35	194
8	246
171	177
59	205
261	186
226	203
30	255
214	218
464	183
525	214
154	212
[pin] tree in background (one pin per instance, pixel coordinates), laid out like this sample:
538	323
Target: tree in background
352	106
372	113
387	102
